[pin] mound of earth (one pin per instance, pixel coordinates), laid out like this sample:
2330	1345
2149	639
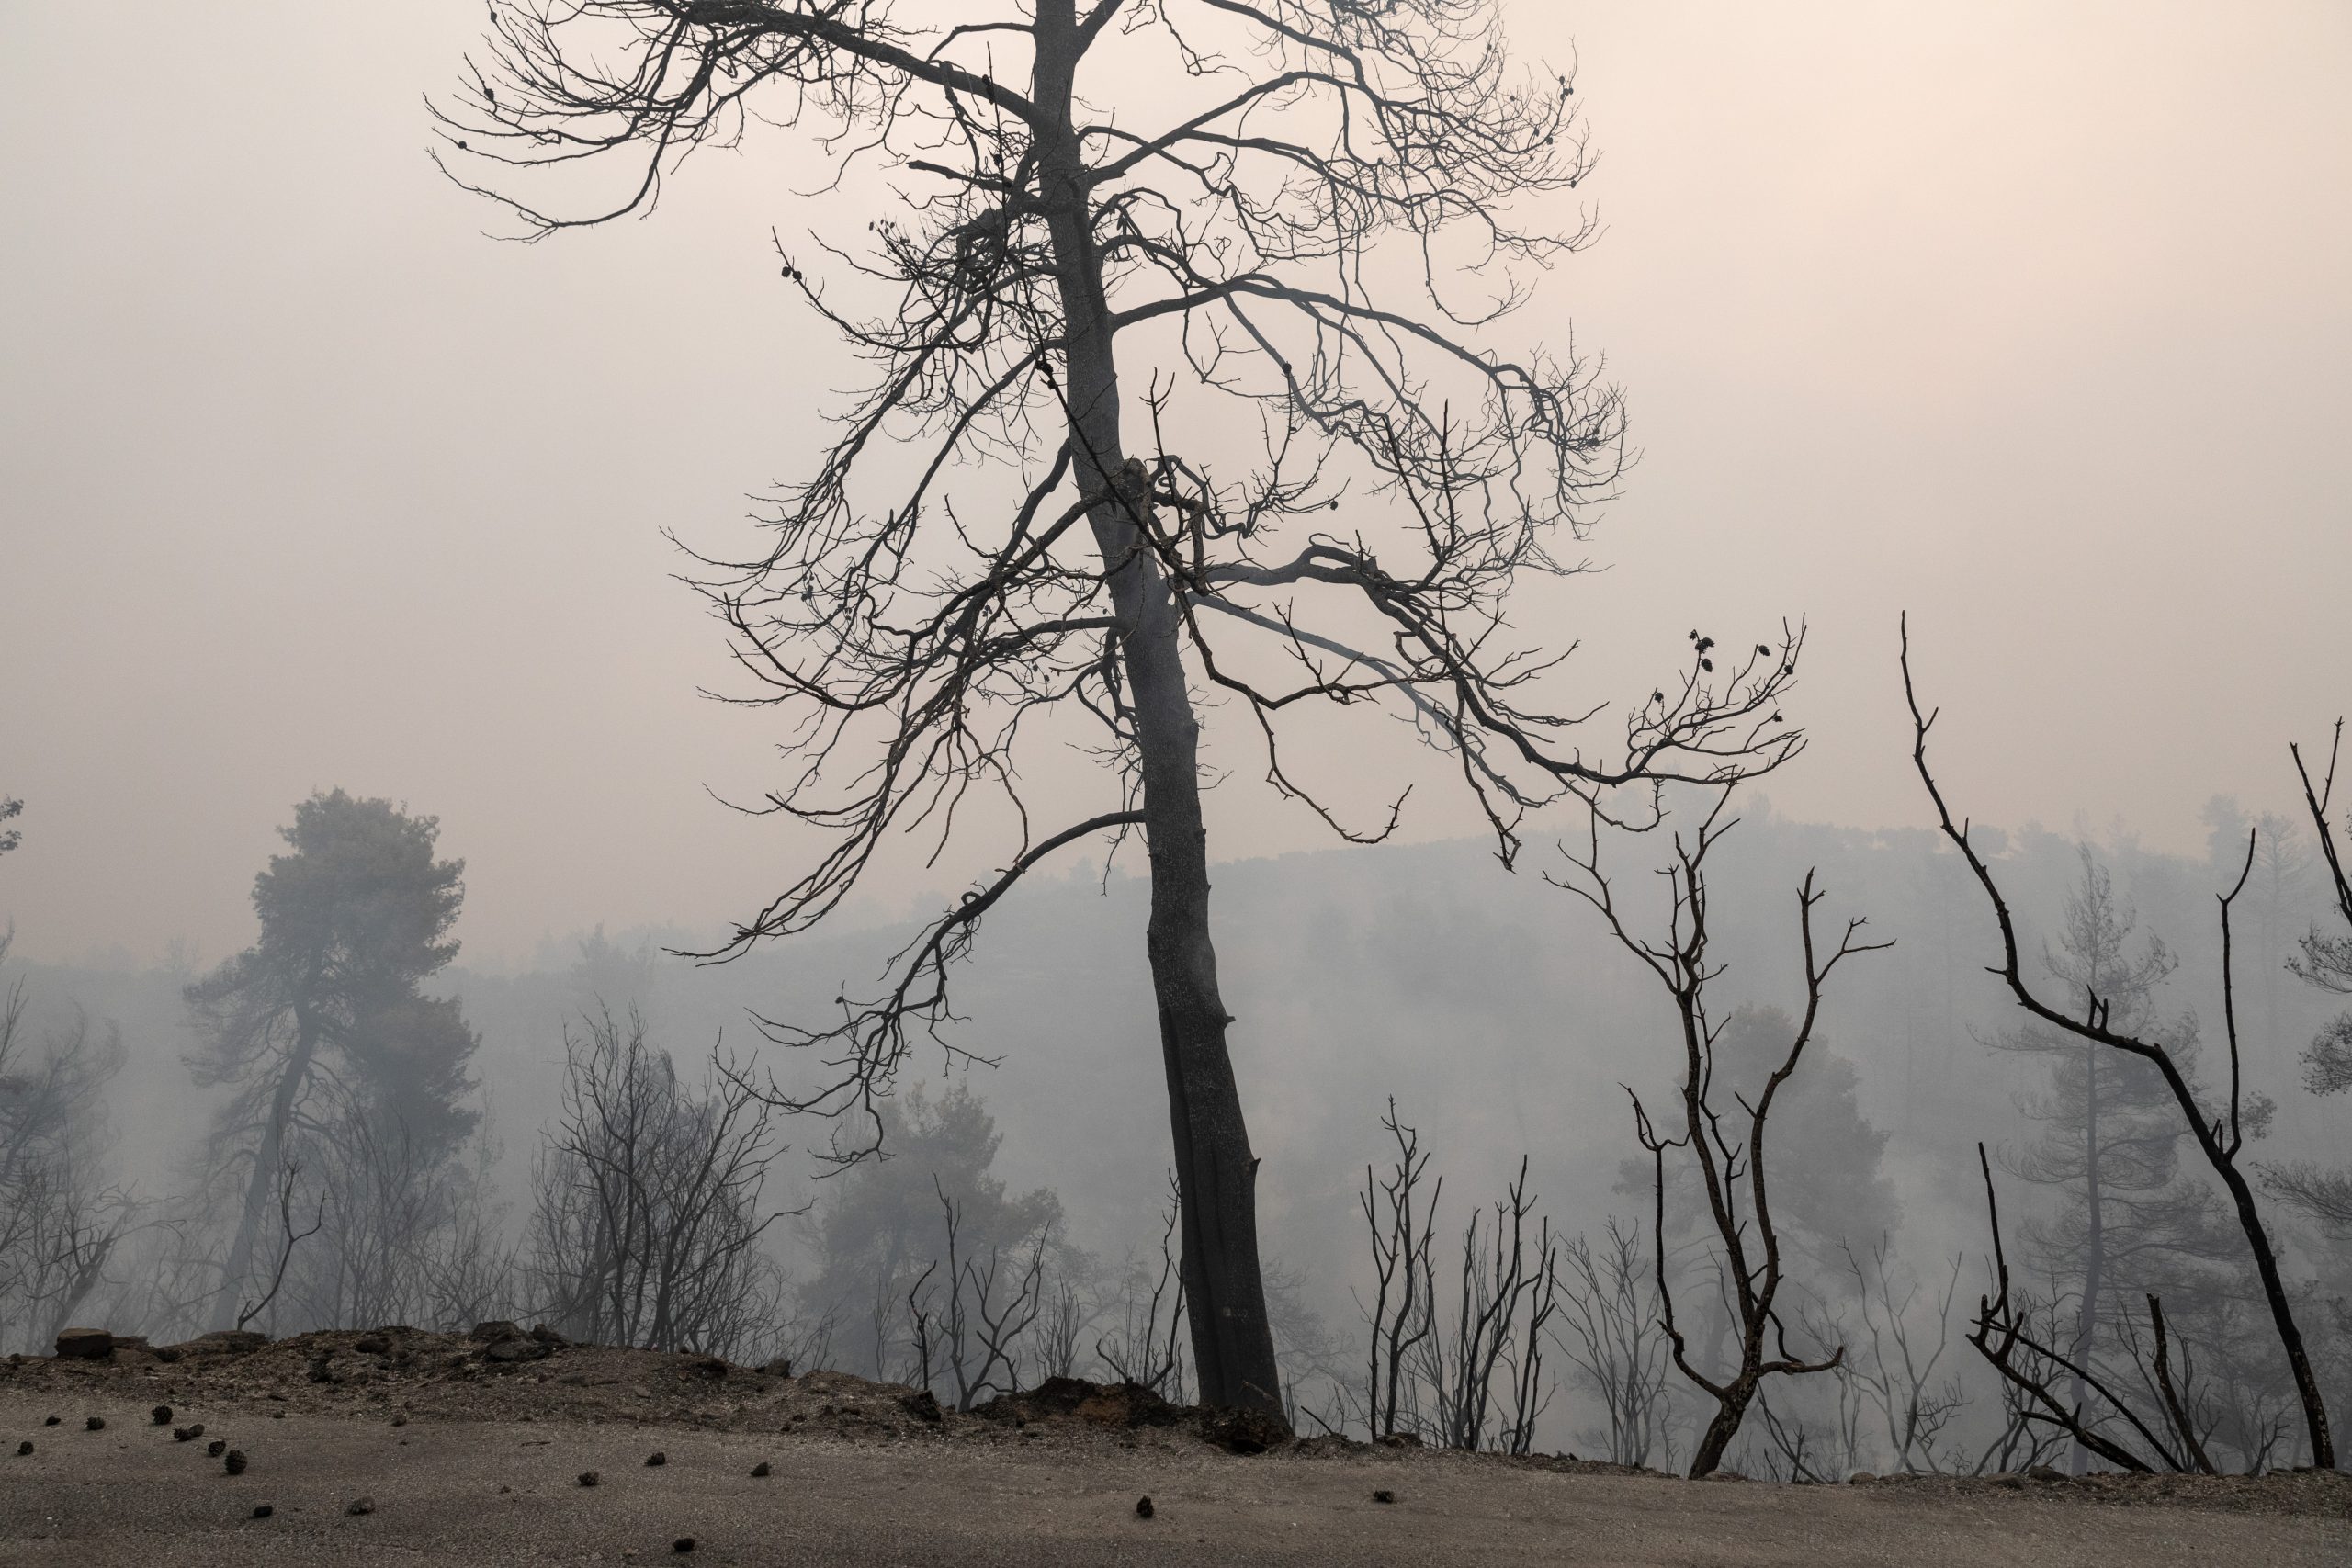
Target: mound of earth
502	1371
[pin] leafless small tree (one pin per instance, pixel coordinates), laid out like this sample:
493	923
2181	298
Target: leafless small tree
1729	1152
1895	1363
969	1319
1470	1376
167	1281
65	1251
469	1270
784	1341
1612	1330
647	1212
1402	1314
1483	1378
1147	1349
62	1217
1061	1330
2219	1134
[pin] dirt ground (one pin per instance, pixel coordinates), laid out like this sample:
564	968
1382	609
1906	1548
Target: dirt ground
466	1458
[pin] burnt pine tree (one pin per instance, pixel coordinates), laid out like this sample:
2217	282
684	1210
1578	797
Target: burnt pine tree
353	918
1196	397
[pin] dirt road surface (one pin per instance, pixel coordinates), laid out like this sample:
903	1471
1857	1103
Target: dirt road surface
489	1492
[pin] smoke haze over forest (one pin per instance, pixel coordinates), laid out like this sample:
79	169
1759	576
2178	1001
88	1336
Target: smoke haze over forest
339	543
2029	320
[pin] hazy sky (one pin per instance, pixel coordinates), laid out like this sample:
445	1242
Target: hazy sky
2033	318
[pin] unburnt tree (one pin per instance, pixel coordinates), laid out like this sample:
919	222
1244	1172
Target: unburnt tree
1206	395
1725	1146
354	919
2220	1132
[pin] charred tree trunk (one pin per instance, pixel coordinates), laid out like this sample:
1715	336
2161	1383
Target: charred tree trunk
1216	1174
1731	1409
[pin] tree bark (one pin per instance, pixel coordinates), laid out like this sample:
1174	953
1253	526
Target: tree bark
1233	1347
1731	1409
2291	1338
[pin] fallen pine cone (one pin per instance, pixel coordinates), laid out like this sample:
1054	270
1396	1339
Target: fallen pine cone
656	1457
24	1447
360	1505
94	1424
588	1478
1143	1507
1384	1495
760	1470
161	1414
216	1447
187	1433
52	1421
262	1510
684	1543
234	1464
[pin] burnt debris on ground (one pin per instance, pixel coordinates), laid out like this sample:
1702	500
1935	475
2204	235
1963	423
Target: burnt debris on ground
501	1372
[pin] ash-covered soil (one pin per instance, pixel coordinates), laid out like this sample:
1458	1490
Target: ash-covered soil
406	1447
